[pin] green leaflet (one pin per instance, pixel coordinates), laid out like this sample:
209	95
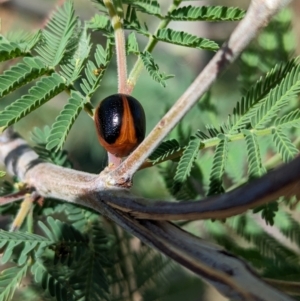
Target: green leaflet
255	167
9	51
164	150
235	161
93	73
66	236
255	170
52	281
288	226
25	40
186	163
284	146
20	74
132	45
132	22
248	106
100	5
64	121
213	132
2	173
268	212
185	39
251	231
218	167
10	240
55	231
72	67
219	232
289	120
81	219
153	68
59	37
207	13
44	90
82	257
10	279
40	137
102	23
150	7
278	98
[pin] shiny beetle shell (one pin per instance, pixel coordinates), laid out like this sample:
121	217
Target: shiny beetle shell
120	123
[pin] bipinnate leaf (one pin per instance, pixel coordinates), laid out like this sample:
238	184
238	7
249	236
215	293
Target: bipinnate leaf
132	45
287	90
59	35
165	149
40	138
246	109
52	281
25	40
267	245
44	90
288	226
57	231
255	167
186	163
284	146
86	277
207	13
218	167
10	240
153	68
10	279
289	120
185	39
94	73
20	74
64	121
72	67
101	23
132	22
150	7
9	50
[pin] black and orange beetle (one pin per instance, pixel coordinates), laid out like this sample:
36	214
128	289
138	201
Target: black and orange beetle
120	123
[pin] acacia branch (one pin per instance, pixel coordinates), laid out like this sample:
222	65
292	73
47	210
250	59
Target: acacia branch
231	276
258	16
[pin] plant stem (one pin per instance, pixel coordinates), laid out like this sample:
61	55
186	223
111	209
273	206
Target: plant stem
115	12
116	16
138	66
209	143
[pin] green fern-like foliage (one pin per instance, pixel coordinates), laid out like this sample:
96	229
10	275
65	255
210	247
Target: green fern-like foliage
207	13
61	54
260	133
64	121
79	256
153	68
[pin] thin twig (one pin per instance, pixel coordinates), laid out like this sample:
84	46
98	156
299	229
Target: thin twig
117	24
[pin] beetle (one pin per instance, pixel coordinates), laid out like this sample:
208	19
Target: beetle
120	124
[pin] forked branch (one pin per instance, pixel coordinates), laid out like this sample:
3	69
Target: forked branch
230	275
